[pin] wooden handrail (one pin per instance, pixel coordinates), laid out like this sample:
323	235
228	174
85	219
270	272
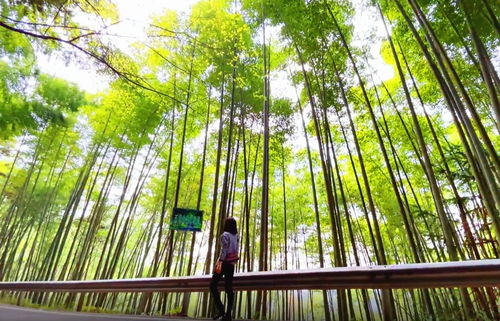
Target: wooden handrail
403	276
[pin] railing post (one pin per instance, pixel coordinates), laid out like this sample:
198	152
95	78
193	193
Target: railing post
81	299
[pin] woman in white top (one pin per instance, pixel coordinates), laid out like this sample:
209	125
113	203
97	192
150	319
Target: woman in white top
225	267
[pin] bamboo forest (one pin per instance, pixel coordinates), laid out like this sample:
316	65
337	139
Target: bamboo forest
338	133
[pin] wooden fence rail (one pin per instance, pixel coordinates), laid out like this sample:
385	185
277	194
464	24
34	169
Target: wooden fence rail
403	276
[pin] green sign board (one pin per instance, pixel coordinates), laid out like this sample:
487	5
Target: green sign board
185	219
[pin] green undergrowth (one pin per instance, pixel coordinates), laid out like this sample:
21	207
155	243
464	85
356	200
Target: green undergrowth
26	303
443	315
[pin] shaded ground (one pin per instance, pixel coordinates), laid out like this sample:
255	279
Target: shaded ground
14	313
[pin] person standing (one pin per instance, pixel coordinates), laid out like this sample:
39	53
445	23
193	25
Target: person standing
225	267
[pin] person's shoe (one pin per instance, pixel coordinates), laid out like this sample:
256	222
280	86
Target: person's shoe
227	317
219	316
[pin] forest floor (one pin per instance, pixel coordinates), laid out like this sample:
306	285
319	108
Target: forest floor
15	313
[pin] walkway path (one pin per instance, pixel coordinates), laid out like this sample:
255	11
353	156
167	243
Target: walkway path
14	313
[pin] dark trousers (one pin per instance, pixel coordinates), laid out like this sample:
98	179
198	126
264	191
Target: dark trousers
227	272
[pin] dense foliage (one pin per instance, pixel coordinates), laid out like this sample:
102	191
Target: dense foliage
340	168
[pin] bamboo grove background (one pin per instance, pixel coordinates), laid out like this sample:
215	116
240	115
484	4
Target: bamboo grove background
351	171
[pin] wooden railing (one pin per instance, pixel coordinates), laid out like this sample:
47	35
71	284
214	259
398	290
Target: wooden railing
424	275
